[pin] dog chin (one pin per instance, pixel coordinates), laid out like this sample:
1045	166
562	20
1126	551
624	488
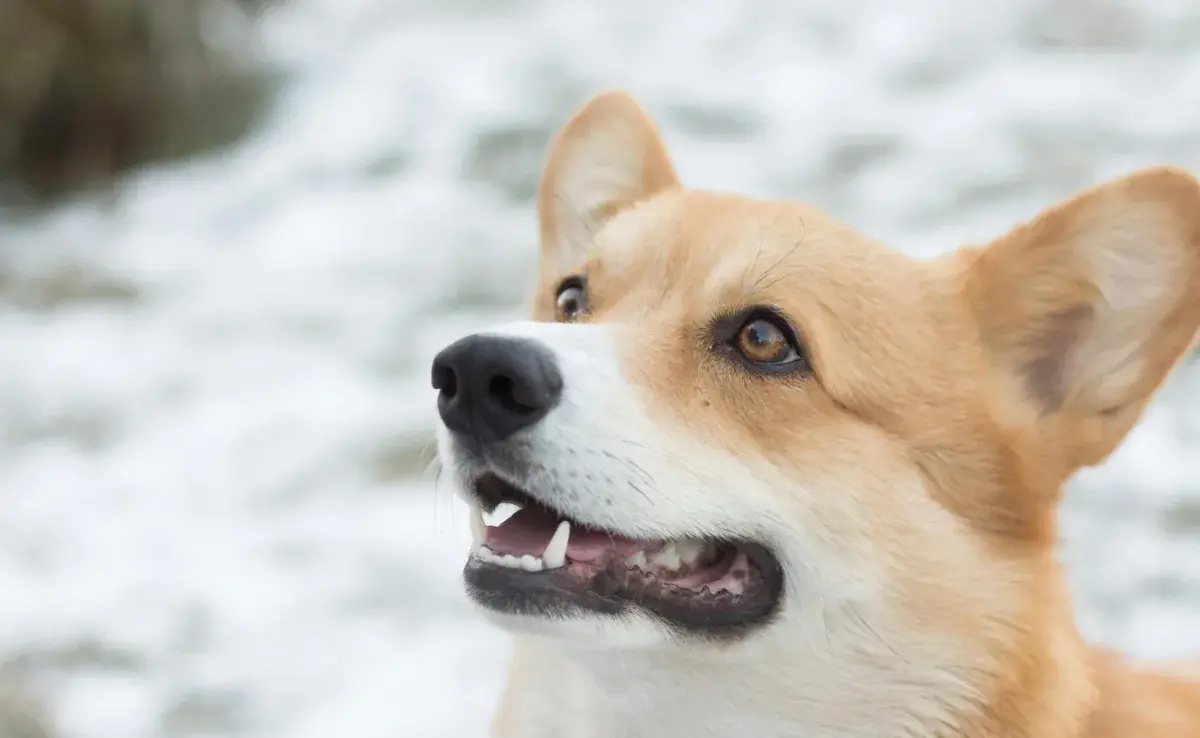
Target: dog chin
585	632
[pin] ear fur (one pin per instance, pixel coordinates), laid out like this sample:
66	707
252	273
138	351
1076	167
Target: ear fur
608	156
1089	306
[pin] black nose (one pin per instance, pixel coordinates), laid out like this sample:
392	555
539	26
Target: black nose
491	387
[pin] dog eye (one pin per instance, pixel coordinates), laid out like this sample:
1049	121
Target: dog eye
571	301
763	340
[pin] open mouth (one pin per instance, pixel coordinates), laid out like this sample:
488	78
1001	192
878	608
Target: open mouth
541	562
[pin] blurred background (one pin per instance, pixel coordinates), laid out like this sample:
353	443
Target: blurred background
233	232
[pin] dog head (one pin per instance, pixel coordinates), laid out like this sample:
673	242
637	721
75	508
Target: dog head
730	418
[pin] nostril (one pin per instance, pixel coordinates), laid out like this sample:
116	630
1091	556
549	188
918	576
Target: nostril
490	387
503	390
445	380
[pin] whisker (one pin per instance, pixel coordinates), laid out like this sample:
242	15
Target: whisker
780	278
758	283
862	622
758	255
639	490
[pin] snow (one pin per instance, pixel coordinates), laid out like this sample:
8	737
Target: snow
213	516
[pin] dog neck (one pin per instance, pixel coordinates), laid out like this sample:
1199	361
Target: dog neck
845	688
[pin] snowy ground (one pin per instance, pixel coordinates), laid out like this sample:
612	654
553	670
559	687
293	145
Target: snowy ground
213	398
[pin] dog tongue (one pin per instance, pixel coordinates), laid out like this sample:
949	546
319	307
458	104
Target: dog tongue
529	530
589	545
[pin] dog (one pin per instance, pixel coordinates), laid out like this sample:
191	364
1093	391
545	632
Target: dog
777	479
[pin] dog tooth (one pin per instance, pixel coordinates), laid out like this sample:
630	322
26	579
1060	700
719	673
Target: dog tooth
690	550
531	563
510	561
478	526
637	560
501	513
667	557
485	553
555	554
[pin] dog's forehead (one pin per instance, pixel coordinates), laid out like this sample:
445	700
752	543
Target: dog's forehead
728	249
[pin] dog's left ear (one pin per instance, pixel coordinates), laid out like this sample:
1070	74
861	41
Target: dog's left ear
608	156
1087	308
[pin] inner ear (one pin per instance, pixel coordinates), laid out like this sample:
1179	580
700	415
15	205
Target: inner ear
1046	372
608	156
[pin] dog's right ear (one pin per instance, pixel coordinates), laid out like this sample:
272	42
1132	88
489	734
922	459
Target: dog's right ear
1088	307
608	156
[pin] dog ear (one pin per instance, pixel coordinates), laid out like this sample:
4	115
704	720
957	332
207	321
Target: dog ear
1088	307
608	156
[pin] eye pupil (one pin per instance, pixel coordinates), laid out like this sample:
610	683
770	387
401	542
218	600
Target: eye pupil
763	342
571	301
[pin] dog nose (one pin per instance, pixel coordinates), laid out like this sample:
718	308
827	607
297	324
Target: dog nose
490	387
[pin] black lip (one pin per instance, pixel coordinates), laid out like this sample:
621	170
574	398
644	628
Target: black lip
540	593
561	593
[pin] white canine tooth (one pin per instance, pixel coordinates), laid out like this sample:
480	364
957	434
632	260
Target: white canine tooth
555	554
638	559
485	554
667	558
689	550
478	527
531	563
501	513
510	561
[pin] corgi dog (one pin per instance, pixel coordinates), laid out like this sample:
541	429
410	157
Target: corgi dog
777	479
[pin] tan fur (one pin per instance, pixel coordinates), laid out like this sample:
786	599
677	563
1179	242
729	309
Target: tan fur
973	384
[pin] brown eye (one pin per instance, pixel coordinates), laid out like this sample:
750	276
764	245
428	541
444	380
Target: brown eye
571	301
764	341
